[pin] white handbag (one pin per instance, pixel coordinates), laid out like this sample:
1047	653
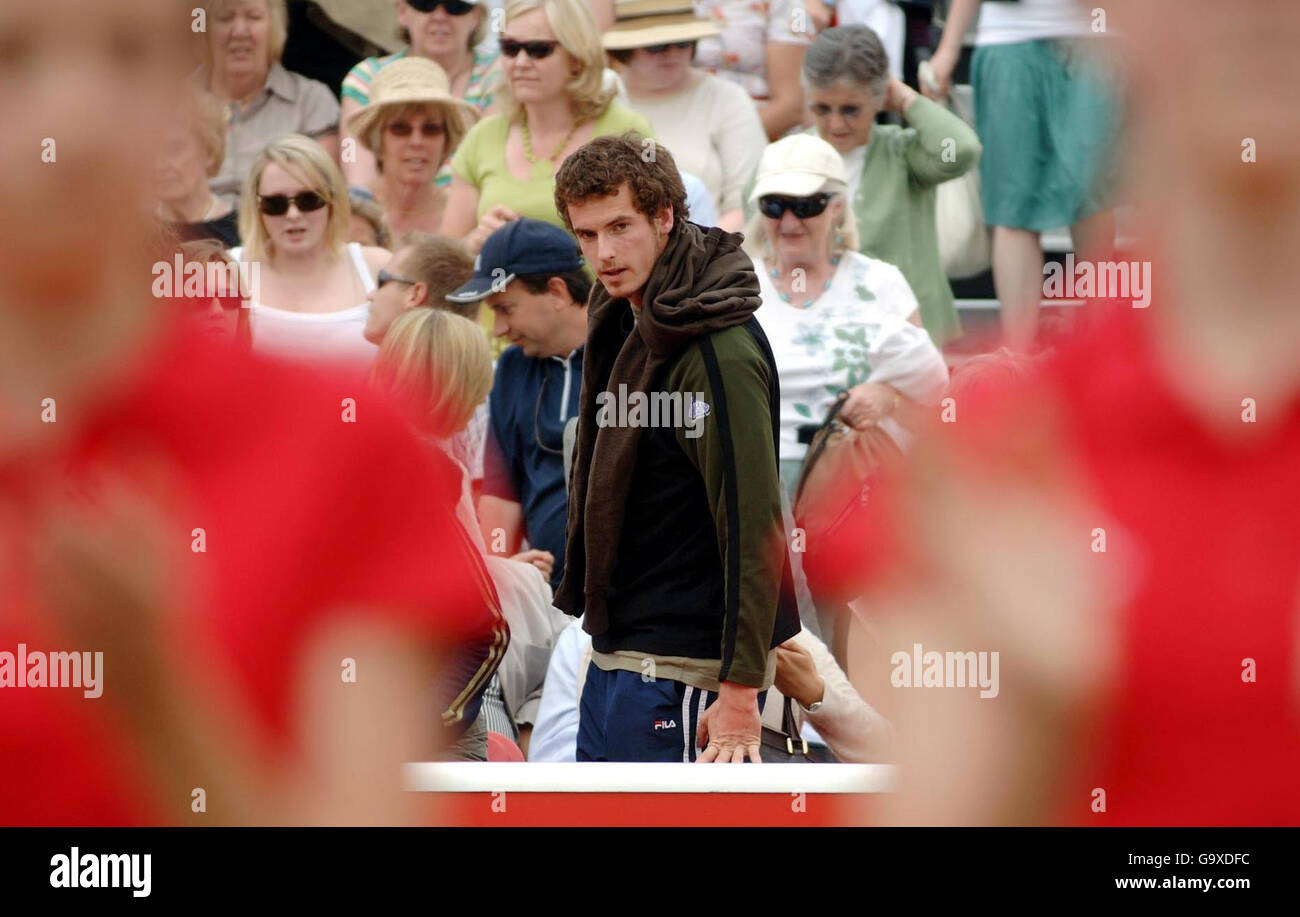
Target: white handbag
965	248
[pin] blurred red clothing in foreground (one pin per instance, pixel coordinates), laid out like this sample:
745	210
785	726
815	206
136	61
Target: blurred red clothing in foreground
303	514
1206	525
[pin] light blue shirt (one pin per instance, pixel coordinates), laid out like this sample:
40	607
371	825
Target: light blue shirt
703	211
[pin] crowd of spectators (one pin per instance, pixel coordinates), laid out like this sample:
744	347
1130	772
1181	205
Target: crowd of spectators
428	183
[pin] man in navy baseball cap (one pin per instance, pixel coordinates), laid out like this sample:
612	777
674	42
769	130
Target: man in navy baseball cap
521	247
531	275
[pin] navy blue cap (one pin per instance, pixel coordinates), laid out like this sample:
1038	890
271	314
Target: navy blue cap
521	246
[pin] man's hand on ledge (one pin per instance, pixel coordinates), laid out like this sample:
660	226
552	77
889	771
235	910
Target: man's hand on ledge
731	728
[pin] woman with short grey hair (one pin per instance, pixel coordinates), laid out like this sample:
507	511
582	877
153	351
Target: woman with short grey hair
892	171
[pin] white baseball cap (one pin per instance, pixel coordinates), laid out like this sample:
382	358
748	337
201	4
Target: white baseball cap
798	166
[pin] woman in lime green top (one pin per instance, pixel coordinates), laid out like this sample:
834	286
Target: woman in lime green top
554	100
892	170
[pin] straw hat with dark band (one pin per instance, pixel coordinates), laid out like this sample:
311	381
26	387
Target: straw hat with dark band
412	81
644	23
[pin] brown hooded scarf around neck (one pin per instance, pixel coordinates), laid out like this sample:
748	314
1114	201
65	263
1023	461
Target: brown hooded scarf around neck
702	283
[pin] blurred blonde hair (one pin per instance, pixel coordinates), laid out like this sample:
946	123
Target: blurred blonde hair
438	365
276	10
306	159
208	120
576	30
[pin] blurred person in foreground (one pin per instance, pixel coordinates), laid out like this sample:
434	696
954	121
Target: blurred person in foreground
267	639
1121	527
675	550
438	364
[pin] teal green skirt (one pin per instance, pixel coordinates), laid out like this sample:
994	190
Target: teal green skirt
1046	117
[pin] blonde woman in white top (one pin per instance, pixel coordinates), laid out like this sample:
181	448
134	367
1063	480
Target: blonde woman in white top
310	285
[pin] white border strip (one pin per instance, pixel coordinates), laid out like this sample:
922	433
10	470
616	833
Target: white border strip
993	305
593	777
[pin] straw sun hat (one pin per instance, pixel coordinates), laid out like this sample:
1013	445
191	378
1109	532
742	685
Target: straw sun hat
643	23
412	81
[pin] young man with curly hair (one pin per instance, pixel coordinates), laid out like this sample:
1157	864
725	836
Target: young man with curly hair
676	553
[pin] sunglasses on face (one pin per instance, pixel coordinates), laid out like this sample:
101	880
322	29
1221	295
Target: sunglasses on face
453	7
847	112
384	277
775	207
663	49
534	49
277	205
405	129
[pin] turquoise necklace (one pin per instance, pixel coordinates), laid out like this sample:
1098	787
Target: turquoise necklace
785	297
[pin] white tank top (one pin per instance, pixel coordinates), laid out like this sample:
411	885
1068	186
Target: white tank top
1031	20
315	337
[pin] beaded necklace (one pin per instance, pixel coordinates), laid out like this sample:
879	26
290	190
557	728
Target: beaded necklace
785	297
528	138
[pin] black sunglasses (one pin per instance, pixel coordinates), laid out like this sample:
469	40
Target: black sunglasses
534	49
384	277
453	7
802	207
847	112
661	49
405	129
277	205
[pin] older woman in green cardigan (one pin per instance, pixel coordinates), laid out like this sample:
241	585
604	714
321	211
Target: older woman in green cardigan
892	170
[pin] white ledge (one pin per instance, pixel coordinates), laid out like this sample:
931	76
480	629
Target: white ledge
593	777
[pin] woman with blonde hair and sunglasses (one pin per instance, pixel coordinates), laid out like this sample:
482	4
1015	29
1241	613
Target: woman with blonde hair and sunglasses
555	99
310	285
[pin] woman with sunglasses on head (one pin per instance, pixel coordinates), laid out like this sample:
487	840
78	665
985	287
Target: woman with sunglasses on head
837	320
411	126
448	32
311	285
709	123
555	99
243	43
892	171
